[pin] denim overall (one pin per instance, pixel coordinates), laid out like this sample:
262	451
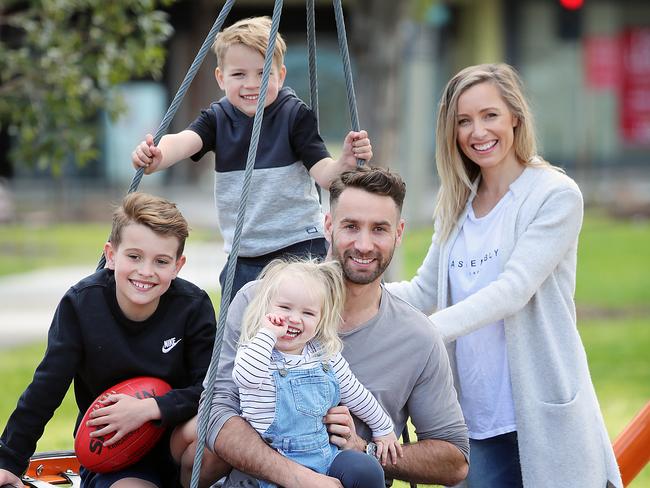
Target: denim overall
302	397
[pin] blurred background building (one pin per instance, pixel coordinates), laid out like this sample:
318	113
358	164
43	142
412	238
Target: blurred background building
585	64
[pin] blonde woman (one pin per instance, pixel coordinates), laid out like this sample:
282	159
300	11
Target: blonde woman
290	371
500	277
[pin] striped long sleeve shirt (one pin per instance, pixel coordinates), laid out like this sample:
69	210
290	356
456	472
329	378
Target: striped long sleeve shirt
253	374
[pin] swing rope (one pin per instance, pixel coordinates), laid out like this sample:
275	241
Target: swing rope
208	393
347	69
180	94
311	49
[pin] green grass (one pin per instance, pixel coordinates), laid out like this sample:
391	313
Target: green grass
617	352
17	369
613	262
613	279
612	282
27	248
24	248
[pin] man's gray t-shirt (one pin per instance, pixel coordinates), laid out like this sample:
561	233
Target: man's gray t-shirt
397	355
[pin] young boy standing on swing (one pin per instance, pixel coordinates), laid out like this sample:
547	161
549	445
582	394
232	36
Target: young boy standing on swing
283	215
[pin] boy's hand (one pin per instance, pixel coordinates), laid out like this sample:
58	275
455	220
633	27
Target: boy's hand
8	478
388	446
276	324
355	146
146	155
123	414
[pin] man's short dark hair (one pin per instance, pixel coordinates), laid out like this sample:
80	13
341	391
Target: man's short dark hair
379	181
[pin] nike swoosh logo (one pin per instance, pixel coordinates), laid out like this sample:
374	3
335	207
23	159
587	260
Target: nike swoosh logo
169	346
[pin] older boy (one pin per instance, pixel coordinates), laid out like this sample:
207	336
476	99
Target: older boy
283	216
134	318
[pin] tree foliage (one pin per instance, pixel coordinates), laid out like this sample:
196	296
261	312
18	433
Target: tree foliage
58	62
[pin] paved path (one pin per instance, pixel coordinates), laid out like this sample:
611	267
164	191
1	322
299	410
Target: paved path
28	301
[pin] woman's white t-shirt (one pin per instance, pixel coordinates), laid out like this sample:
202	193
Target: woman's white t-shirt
481	358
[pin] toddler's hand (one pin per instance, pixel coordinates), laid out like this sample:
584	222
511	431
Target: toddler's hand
276	324
388	446
146	155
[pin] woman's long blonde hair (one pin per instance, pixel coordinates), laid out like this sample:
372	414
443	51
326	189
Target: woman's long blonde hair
322	278
456	171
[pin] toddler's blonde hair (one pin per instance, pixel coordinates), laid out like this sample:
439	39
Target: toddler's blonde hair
323	278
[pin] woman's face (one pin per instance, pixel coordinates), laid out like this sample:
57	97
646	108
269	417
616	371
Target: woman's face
485	127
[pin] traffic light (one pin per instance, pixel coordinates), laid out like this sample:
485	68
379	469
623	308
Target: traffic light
569	19
572	4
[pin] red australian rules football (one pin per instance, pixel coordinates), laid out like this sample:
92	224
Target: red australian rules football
91	451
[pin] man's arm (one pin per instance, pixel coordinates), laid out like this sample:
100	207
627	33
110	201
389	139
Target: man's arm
426	461
429	461
231	437
241	446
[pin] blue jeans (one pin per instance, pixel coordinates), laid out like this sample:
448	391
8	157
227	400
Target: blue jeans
494	462
303	397
356	469
248	269
157	467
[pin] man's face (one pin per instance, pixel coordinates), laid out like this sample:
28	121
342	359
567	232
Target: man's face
363	230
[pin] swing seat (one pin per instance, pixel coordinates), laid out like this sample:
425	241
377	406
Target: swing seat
52	469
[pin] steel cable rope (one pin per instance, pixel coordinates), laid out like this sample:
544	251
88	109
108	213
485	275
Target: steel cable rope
206	400
180	94
208	393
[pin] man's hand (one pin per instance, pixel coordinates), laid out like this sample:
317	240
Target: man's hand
123	414
146	154
341	428
8	478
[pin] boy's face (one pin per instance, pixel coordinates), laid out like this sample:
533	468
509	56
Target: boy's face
363	230
240	76
145	263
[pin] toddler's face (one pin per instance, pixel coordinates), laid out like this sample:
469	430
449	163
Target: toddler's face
300	304
240	76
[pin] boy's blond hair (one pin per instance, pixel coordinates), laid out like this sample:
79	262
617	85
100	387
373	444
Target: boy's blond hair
156	213
322	278
254	33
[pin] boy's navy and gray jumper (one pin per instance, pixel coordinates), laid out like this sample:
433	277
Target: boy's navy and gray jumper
283	213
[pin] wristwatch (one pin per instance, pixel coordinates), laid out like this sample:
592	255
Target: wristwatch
371	449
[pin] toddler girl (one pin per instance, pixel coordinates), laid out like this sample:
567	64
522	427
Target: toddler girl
290	371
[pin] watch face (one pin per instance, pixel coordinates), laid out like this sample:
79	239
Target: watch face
371	449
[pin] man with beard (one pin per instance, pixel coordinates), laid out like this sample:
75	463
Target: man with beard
390	346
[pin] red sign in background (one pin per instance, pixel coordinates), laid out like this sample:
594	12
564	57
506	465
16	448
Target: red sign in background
635	86
602	62
622	63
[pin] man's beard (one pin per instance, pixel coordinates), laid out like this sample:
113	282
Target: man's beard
360	277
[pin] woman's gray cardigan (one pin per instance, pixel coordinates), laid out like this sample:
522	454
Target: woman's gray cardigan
562	436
